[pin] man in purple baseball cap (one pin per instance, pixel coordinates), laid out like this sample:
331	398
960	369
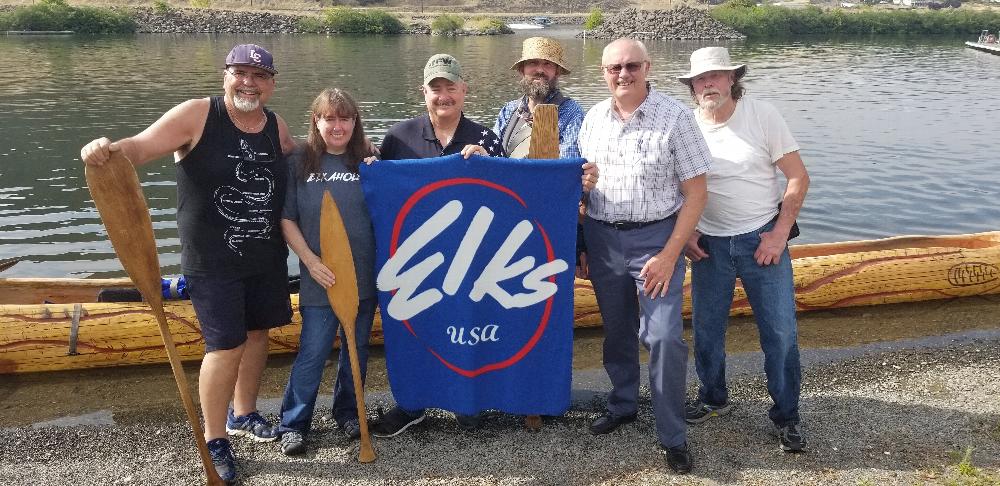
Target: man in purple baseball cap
231	177
251	55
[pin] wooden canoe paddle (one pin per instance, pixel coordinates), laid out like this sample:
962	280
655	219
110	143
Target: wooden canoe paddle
544	133
335	251
544	145
119	199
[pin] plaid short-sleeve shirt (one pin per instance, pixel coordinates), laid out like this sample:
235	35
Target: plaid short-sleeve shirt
643	160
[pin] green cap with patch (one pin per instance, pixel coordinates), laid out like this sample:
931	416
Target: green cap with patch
442	66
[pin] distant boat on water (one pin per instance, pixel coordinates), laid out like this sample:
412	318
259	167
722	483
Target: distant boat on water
987	42
536	23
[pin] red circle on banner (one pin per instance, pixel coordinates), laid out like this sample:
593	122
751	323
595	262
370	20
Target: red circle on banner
550	254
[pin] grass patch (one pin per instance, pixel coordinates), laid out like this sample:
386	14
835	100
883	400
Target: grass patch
356	21
200	3
775	21
594	20
162	7
487	25
59	15
966	473
311	24
447	24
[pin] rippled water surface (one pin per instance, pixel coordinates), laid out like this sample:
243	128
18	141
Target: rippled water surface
899	136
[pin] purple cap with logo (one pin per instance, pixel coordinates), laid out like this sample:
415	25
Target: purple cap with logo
251	55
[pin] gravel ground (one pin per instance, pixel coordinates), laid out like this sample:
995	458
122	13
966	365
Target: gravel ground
892	413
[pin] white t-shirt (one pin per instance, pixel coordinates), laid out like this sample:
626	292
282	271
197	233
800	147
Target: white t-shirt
743	186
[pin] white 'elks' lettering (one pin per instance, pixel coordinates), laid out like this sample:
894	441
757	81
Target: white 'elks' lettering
500	268
404	304
467	250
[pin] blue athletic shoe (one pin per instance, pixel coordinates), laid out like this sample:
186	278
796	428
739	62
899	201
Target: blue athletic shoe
251	425
223	459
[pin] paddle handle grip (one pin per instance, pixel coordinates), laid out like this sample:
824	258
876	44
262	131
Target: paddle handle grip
366	453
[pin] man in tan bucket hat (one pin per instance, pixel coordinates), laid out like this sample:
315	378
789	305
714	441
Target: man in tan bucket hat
542	63
743	234
540	66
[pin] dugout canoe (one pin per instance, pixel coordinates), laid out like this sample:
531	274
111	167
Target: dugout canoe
57	324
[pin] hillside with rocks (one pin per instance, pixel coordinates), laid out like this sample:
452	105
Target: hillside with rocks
680	23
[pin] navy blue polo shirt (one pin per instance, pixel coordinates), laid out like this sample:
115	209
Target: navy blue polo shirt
415	139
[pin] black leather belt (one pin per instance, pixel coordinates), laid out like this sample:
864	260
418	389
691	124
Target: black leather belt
628	225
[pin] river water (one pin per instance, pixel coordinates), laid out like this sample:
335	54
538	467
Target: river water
899	135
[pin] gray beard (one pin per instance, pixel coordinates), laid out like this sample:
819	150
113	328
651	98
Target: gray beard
538	91
245	106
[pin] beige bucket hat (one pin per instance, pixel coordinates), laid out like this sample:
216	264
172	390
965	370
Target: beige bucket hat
542	48
711	59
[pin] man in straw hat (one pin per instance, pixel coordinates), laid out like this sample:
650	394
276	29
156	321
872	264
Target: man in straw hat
227	148
542	63
743	234
653	161
540	67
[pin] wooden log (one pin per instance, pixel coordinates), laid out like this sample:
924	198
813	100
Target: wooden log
903	269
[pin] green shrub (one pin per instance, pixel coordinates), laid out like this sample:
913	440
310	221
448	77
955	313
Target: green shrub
58	15
489	25
595	19
770	20
311	24
355	21
200	3
161	7
447	24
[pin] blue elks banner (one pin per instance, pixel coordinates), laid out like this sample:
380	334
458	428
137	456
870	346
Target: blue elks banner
475	261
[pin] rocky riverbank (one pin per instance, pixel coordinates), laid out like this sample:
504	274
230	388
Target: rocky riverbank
218	21
191	21
909	415
681	23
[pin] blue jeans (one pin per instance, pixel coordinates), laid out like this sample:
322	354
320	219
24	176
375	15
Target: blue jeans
771	293
319	327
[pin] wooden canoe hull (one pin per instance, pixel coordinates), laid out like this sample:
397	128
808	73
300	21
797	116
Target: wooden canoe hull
78	333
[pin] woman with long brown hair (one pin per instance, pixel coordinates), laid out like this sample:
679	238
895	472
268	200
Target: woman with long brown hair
334	149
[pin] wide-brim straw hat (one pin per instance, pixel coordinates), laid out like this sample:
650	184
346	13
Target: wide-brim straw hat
542	48
712	59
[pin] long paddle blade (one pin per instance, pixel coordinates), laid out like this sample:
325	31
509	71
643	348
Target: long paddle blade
544	145
336	254
119	199
544	133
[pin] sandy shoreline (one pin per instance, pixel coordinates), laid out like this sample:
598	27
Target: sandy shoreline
897	411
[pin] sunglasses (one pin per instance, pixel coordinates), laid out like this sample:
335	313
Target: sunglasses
630	67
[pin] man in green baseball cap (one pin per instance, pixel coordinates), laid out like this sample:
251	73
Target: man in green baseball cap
444	130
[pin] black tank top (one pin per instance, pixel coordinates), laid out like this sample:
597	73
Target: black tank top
230	191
